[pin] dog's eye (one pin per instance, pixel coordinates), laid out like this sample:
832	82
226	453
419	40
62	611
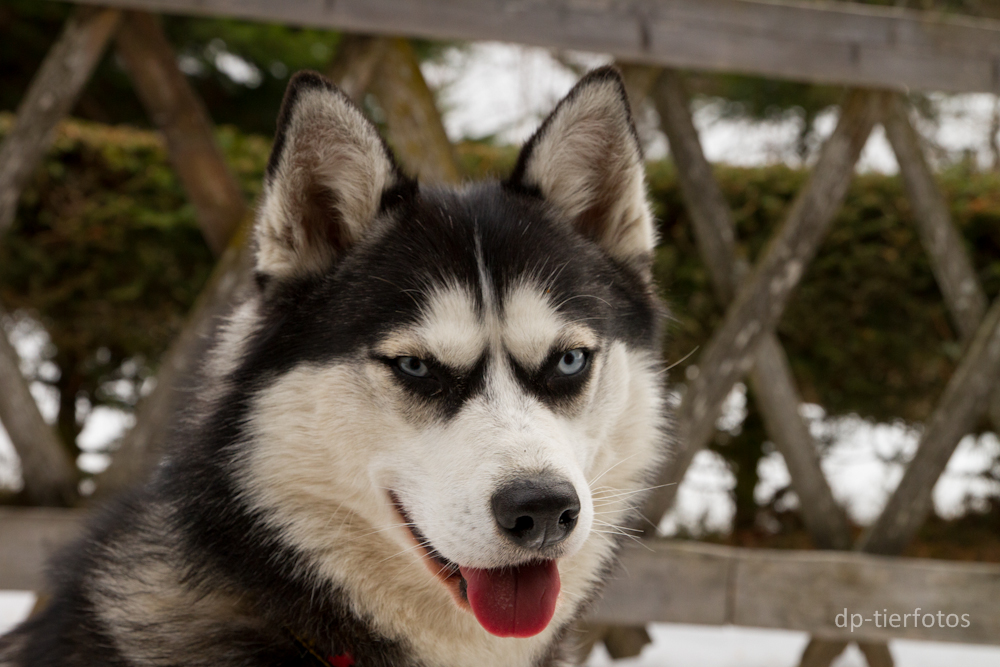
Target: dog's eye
572	362
413	366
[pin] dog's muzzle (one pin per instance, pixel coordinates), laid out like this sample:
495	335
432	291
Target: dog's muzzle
536	512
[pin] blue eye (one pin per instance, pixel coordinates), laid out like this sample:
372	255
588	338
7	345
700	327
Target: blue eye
572	362
413	366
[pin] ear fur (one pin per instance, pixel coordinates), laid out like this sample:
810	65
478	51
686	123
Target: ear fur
327	176
586	161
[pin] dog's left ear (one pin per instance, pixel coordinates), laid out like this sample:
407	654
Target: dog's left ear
329	175
585	160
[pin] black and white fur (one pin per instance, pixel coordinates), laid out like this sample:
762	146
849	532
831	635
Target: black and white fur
278	512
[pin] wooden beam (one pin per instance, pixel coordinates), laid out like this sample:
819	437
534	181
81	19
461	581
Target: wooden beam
956	414
49	474
822	652
771	377
836	43
950	261
413	123
66	69
355	64
684	582
675	581
759	304
176	109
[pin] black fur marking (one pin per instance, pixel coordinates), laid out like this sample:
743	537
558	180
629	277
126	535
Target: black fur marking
444	388
558	391
382	285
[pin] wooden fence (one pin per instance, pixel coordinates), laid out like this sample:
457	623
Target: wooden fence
670	581
877	52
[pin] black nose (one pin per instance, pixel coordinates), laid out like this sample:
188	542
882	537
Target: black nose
536	512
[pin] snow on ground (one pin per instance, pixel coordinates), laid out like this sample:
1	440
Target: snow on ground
678	645
501	90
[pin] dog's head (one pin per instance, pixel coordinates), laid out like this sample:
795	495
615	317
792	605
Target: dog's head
456	387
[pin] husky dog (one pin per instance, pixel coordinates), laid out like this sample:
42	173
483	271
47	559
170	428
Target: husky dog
419	438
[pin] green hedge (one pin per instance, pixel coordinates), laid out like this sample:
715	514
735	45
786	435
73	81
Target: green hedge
105	253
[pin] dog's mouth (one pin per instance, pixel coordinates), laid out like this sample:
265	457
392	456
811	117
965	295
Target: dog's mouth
513	601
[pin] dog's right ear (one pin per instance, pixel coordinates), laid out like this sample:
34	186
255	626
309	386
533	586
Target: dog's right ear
329	174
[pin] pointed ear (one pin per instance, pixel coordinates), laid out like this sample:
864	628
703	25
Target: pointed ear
585	160
326	180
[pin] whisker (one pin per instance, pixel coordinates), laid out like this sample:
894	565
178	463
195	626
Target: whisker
423	544
679	361
591	482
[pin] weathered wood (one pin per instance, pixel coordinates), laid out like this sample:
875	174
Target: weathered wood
877	654
807	590
854	45
177	375
413	124
675	581
669	582
821	652
356	62
684	582
175	108
711	219
956	414
624	641
759	304
48	472
771	377
950	262
778	401
66	69
30	537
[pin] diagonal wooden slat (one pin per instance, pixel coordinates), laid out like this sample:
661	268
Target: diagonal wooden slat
959	409
54	90
950	261
414	127
356	62
968	391
49	474
177	373
770	377
760	303
176	109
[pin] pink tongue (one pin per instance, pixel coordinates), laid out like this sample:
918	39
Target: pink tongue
513	602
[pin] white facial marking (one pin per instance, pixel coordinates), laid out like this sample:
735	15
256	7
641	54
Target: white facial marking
530	324
450	328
